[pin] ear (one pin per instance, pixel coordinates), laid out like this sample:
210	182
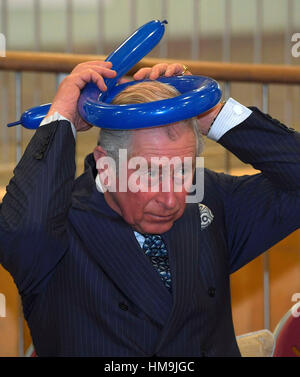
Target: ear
106	175
98	153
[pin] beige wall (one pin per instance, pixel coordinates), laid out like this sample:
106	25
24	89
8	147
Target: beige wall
247	292
9	324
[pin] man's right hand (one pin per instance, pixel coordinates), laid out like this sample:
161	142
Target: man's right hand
66	98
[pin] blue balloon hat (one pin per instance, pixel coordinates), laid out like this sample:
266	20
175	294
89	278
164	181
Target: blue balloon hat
198	93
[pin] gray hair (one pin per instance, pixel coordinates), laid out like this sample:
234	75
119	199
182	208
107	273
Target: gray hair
114	140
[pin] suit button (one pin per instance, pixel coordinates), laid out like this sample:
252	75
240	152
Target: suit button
39	156
123	306
44	148
211	291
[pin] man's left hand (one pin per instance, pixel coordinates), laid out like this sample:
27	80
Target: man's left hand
161	69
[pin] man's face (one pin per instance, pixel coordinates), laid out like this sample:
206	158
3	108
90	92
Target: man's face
155	210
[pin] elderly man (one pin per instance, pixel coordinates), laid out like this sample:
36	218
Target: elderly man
111	272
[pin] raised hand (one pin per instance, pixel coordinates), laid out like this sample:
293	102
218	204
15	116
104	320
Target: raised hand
66	98
161	69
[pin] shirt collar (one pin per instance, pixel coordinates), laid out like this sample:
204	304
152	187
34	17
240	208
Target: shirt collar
98	183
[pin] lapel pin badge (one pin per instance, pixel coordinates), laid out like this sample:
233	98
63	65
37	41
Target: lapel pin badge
206	216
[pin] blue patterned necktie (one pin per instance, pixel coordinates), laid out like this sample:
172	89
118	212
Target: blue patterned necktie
155	248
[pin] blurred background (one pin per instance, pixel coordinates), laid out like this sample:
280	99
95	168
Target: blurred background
227	31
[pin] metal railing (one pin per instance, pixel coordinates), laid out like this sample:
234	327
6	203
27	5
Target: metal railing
228	72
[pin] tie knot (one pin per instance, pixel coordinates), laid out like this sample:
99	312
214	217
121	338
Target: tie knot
154	246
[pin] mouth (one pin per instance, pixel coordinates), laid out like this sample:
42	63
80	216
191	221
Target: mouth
162	218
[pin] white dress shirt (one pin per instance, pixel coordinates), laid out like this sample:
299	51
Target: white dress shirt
232	114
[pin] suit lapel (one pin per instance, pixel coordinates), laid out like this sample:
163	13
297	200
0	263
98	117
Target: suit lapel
112	244
192	266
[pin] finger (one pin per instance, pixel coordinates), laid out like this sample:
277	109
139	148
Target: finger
81	79
123	80
100	63
174	69
158	70
106	72
92	63
142	74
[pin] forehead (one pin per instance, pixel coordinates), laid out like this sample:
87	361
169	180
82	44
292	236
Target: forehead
173	140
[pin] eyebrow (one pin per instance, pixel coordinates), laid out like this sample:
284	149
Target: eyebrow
159	165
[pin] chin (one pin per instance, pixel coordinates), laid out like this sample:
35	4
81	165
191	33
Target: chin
156	228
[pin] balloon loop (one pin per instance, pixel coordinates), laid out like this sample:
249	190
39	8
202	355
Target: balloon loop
197	93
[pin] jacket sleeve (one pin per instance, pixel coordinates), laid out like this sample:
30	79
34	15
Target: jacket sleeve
261	209
33	215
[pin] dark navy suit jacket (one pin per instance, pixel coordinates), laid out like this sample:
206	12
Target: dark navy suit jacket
87	288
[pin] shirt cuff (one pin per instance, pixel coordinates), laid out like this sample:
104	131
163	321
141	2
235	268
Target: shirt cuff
54	117
231	115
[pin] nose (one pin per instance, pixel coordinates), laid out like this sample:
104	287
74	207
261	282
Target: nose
167	198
